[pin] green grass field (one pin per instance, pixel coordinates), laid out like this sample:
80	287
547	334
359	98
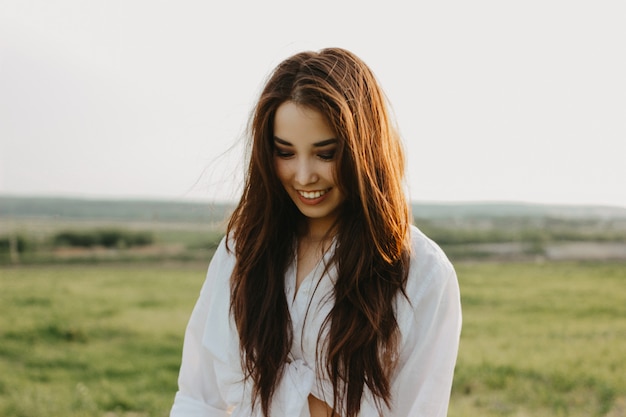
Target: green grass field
538	339
542	340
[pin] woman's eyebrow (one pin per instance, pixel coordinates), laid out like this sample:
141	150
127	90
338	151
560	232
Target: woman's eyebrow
325	142
316	144
282	141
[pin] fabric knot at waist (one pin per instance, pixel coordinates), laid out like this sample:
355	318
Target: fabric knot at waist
291	395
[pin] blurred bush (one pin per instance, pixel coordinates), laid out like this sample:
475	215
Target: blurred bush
108	238
19	243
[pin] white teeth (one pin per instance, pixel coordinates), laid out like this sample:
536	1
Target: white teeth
312	194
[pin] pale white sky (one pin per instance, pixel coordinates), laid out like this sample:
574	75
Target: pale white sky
496	100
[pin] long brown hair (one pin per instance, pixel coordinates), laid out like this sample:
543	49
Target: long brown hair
371	253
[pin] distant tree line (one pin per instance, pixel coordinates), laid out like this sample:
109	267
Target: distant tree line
107	238
17	244
524	230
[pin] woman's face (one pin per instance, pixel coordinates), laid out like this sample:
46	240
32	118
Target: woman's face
304	154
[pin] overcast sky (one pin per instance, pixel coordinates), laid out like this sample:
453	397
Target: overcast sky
496	100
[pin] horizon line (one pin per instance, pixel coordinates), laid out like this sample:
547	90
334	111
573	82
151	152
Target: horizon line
197	200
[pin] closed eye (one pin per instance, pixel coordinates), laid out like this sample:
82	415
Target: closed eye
327	156
281	153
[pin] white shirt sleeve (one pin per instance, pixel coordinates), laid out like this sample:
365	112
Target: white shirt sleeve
199	392
431	326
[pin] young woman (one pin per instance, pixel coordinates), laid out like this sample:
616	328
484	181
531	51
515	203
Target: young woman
323	299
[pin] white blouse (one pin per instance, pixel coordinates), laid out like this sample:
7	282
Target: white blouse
210	381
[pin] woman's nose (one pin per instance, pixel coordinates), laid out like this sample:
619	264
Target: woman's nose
305	172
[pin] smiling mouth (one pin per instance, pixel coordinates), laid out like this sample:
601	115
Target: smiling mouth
311	195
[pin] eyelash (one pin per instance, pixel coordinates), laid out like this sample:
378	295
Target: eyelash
324	156
282	154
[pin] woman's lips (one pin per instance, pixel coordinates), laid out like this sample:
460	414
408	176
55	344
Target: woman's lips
312	197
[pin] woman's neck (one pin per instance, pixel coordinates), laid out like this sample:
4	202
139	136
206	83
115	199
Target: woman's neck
318	230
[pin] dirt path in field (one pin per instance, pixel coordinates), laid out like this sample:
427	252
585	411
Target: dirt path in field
562	251
593	251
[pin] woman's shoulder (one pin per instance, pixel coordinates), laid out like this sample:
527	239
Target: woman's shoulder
225	250
425	249
431	291
221	266
429	264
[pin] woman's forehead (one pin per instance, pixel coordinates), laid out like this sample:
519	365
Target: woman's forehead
298	124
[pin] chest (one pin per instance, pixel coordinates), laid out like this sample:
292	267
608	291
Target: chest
310	302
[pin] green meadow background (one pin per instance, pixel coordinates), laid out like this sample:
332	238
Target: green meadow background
95	296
